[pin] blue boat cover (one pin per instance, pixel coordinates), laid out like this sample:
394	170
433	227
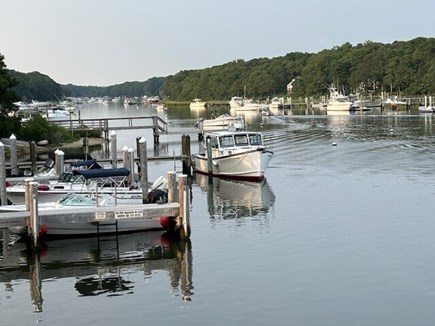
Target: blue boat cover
103	173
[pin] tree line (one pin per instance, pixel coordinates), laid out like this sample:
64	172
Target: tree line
402	67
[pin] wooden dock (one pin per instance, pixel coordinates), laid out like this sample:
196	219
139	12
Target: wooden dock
172	216
106	125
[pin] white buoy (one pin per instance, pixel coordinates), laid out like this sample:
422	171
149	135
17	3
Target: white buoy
334	144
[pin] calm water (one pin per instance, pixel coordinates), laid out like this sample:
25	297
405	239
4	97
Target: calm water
335	235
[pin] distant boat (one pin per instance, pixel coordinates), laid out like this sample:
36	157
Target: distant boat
427	107
197	104
236	102
338	101
394	100
250	105
222	122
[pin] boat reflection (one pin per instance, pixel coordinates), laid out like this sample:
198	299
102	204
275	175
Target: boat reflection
232	199
100	266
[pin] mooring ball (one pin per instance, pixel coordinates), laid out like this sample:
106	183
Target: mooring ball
43	229
165	221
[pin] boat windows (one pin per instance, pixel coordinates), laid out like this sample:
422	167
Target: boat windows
241	140
255	140
226	141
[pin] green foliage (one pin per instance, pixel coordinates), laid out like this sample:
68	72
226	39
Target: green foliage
406	67
38	128
7	94
9	125
36	86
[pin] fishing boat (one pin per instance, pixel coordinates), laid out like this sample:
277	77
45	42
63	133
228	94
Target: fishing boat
234	155
338	101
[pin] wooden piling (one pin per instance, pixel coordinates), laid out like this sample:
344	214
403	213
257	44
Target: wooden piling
125	157
209	156
131	178
143	163
156	130
172	187
59	162
33	156
14	155
34	217
183	200
3	196
113	153
186	154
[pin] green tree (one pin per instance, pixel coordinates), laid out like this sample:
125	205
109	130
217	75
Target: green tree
7	95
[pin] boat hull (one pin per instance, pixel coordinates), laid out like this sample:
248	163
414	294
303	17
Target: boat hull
249	165
88	229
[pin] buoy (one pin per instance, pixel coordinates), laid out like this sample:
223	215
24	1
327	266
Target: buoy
43	230
165	221
334	144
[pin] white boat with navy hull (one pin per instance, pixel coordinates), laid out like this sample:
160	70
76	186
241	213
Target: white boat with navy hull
238	155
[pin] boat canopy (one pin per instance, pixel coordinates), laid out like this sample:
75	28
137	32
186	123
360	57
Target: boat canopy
91	164
103	173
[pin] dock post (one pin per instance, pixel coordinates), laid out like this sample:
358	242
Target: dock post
3	197
131	165
60	159
143	163
33	156
34	218
14	164
113	153
209	156
125	157
156	130
172	186
183	200
185	150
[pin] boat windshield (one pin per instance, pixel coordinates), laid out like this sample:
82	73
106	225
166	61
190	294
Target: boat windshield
241	140
255	140
226	141
73	199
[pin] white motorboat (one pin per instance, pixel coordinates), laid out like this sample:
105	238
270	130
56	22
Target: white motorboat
197	104
234	154
249	105
427	107
77	201
338	101
87	182
236	102
221	122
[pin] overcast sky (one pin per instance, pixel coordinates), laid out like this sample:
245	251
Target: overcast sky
107	42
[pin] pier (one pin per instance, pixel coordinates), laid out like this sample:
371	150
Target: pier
172	216
106	125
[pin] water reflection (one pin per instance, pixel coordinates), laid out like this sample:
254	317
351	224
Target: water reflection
233	199
101	266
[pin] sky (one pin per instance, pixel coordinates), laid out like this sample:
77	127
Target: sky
108	42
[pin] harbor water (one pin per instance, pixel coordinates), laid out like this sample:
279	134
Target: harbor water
340	232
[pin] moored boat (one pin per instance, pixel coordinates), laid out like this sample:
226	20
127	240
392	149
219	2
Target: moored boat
221	122
235	155
197	104
338	101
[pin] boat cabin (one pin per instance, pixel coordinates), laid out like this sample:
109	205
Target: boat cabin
229	142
